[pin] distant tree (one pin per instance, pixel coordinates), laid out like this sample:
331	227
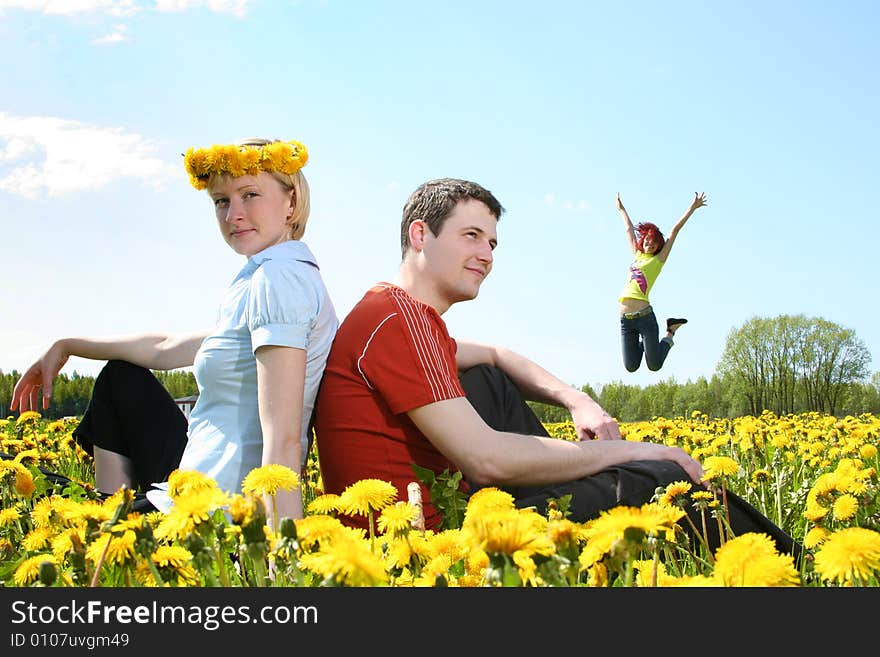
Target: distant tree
792	363
178	383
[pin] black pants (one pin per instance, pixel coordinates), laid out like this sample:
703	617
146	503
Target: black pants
502	407
132	414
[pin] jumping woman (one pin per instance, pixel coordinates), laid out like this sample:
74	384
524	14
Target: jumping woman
638	325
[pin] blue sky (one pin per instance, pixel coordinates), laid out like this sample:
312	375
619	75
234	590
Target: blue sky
770	108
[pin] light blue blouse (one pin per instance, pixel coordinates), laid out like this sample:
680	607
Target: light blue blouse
278	298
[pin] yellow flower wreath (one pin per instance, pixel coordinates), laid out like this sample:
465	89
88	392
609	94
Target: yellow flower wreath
286	157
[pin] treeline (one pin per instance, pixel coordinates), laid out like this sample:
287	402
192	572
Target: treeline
71	394
716	397
792	362
785	364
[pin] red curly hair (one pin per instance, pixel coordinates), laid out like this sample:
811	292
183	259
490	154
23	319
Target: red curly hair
645	229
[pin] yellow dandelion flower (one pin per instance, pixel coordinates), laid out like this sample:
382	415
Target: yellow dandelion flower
349	562
652	519
27	572
171	556
366	495
719	466
816	536
324	504
508	531
845	507
9	516
397	518
174	565
244	509
436	567
760	476
526	568
564	533
597	575
37	539
849	554
814	511
269	479
674	494
119	551
33	455
24	482
27	416
476	561
698	581
185	482
752	560
312	531
88	510
489	499
646	576
188	512
868	451
67	541
450	542
399	553
175	526
59	511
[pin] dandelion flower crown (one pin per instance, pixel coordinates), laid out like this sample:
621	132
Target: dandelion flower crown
286	157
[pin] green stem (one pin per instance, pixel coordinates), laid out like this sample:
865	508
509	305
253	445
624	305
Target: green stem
221	566
156	576
700	536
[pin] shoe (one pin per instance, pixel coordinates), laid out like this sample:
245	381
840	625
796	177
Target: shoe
675	322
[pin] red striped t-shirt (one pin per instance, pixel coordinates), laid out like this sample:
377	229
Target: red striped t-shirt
390	355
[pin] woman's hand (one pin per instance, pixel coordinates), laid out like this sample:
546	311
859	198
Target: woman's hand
699	201
619	203
39	376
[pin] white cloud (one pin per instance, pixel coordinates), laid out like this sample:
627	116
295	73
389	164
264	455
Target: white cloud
119	34
51	156
579	206
72	7
237	8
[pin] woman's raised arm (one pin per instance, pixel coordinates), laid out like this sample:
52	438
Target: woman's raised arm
628	225
698	202
157	351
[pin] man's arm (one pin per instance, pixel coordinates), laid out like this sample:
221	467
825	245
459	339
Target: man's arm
497	458
537	384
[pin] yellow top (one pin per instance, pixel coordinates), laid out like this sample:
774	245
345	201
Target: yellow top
643	273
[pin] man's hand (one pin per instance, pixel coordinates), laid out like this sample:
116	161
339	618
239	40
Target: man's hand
592	422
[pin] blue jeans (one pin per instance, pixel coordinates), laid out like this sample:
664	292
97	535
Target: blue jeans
640	336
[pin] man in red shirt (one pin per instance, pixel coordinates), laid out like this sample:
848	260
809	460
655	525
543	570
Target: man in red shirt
398	390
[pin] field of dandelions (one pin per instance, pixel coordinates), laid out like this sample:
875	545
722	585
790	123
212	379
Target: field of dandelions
815	476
